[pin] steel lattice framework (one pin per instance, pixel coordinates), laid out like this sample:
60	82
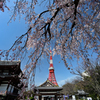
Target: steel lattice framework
51	71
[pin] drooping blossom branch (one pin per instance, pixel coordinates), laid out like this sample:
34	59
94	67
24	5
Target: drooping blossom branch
71	27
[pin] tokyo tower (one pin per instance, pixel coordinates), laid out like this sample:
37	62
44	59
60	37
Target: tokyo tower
51	71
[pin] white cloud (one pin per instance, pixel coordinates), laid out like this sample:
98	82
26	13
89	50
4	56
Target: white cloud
62	82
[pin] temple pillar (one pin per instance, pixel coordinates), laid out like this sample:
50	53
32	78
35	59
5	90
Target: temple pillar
40	97
55	97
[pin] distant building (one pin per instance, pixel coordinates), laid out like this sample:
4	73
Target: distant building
80	94
84	74
10	74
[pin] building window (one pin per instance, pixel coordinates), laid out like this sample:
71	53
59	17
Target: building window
6	72
19	91
9	88
12	89
0	72
3	88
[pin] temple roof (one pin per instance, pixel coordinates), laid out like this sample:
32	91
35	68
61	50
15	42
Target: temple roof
7	63
10	66
47	83
81	92
49	88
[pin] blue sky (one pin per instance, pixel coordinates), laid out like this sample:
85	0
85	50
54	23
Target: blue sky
8	33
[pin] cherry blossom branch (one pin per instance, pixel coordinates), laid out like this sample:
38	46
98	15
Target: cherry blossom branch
48	23
21	38
43	13
47	30
72	26
18	41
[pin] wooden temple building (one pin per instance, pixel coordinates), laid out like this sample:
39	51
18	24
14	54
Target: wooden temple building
10	74
49	90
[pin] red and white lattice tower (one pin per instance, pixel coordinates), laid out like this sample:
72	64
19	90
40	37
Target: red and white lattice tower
51	71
